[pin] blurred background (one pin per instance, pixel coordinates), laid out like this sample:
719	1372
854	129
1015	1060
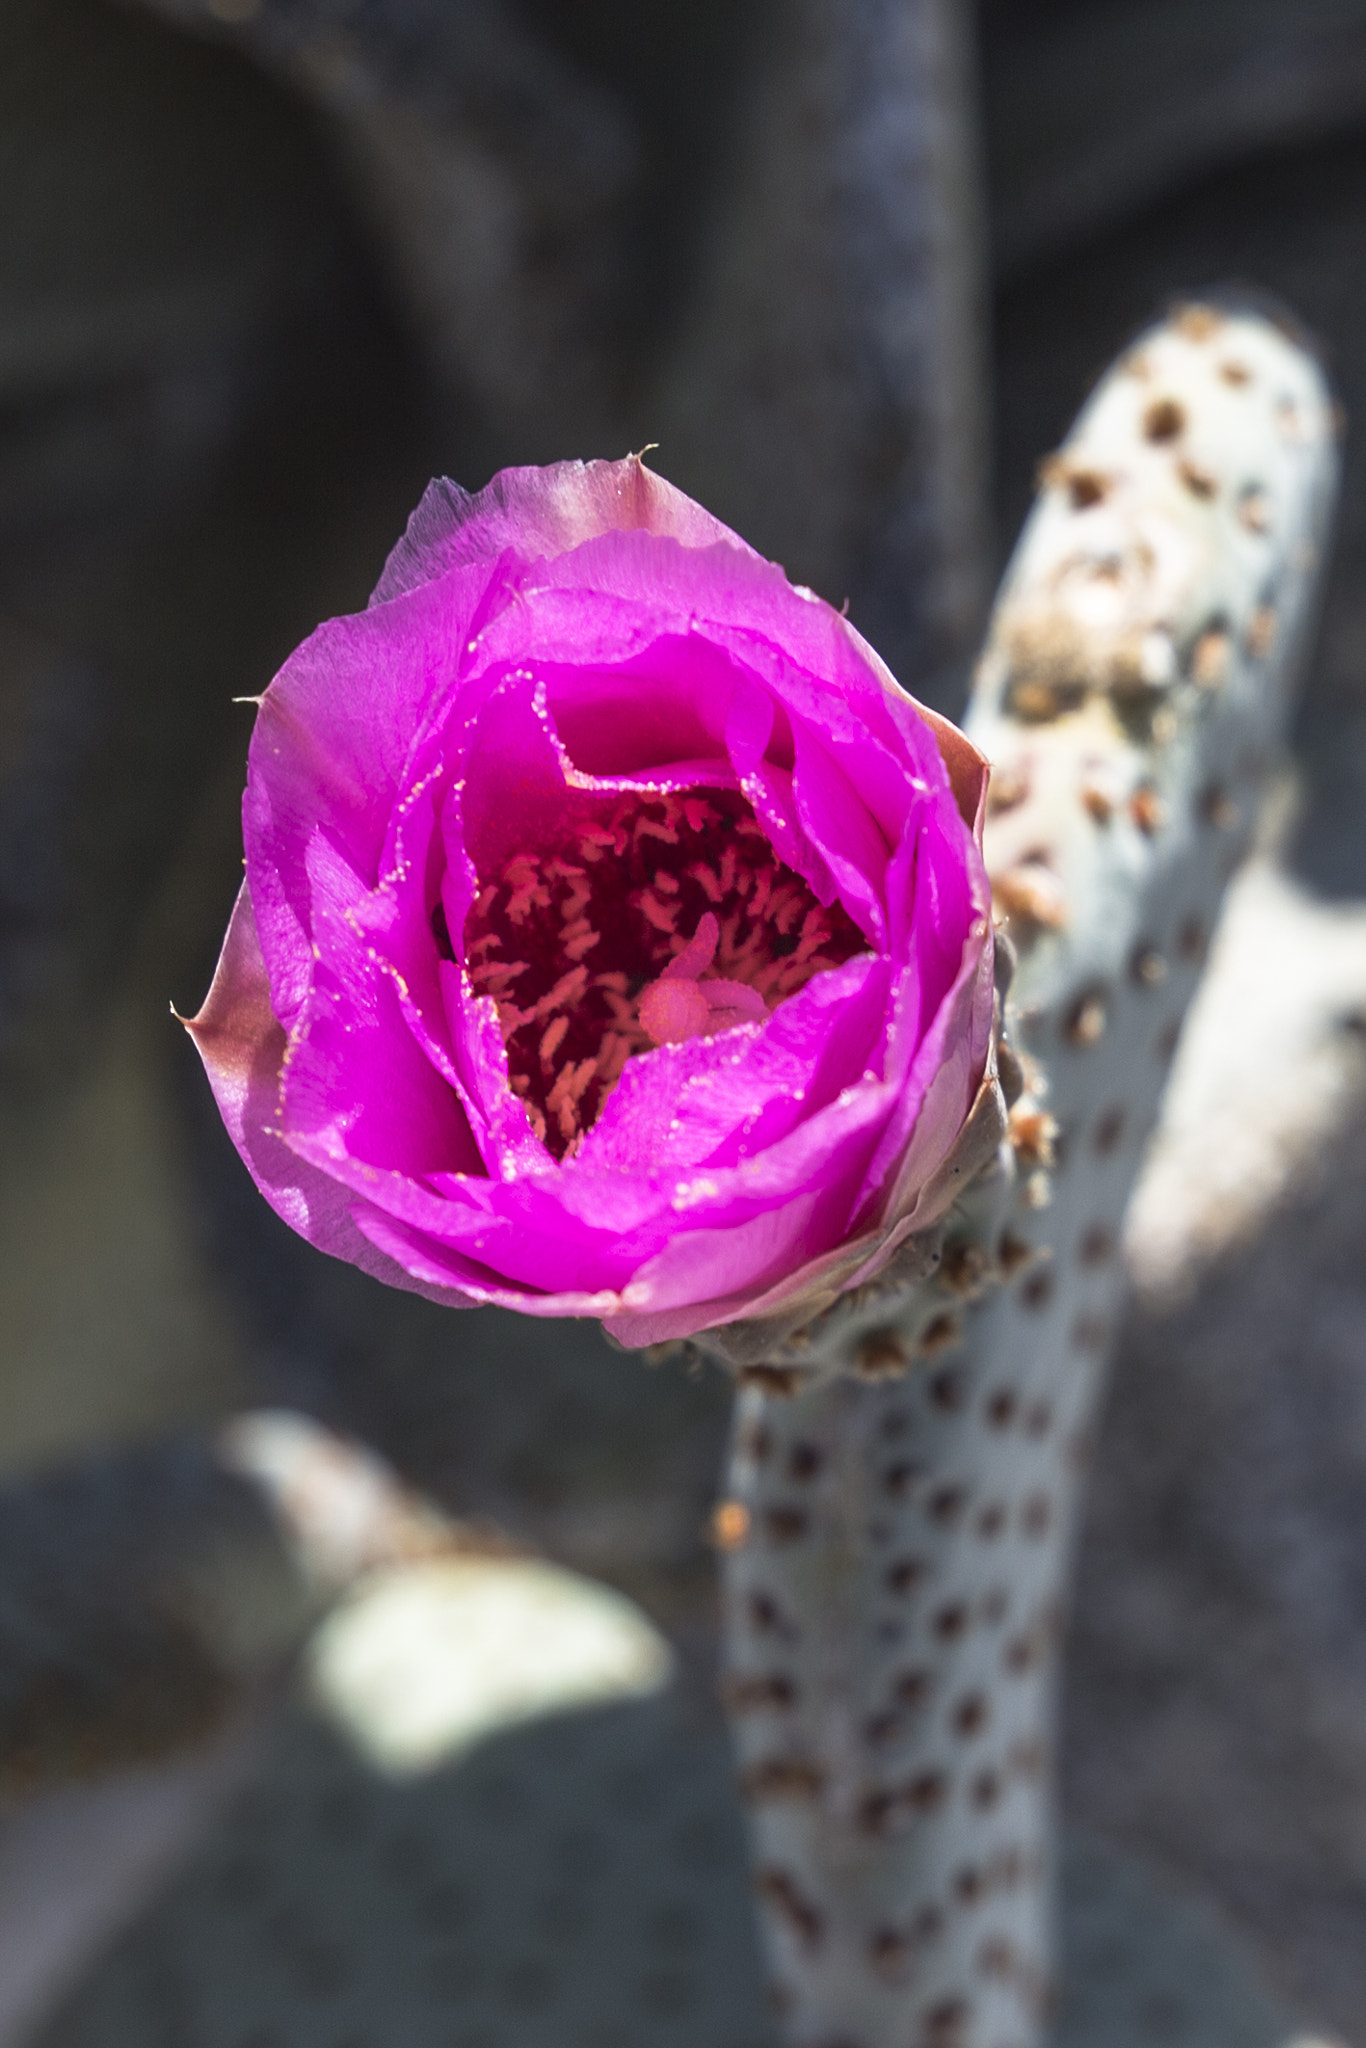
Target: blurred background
265	267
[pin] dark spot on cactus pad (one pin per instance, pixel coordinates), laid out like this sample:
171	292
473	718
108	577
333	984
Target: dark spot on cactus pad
782	1892
995	1958
970	1715
1012	1253
889	1951
1033	1136
767	1618
924	1793
780	1381
1098	799
1164	420
1097	1245
968	1885
1147	809
758	1692
941	1333
906	1573
1038	693
1109	1128
804	1460
778	1778
1007	789
1032	896
1147	967
951	1622
946	1504
881	1355
1190	941
1021	1654
1199	482
1036	1290
947	1392
898	1479
1036	1514
879	1729
1197	321
985	1791
991	1521
784	1523
964	1267
945	2024
1209	657
1084	487
756	1441
912	1688
926	1923
877	1811
1001	1407
1084	1024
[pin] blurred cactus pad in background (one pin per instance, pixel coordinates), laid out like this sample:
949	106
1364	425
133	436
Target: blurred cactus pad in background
264	269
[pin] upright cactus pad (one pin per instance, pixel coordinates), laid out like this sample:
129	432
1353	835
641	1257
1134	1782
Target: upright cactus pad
906	1473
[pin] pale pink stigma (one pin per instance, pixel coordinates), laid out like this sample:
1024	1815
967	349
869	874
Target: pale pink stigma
681	1005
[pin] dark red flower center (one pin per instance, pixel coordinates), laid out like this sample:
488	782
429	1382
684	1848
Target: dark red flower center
653	919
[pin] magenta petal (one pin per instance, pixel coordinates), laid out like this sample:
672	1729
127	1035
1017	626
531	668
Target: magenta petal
243	1048
939	1088
479	1065
947	1072
356	1082
717	1100
707	1275
840	827
534	512
438	1267
329	753
571	631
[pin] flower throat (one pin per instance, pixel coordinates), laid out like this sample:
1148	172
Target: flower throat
659	918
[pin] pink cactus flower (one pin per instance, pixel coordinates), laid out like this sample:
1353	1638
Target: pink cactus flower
615	939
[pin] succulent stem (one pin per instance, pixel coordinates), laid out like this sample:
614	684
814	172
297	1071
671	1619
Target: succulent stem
906	1473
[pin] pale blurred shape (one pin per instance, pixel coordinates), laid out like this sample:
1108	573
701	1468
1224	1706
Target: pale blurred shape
341	1509
418	1664
1269	1067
